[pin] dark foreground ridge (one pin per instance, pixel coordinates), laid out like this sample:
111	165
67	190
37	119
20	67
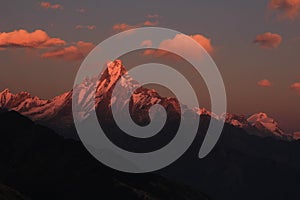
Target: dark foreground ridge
42	165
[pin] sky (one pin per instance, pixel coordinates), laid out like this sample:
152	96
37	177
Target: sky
255	45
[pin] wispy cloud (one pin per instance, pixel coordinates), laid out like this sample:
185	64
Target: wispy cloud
24	39
89	27
287	9
264	83
295	87
268	40
48	5
152	20
71	53
123	27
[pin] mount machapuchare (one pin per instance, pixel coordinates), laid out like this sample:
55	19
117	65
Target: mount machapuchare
253	159
57	112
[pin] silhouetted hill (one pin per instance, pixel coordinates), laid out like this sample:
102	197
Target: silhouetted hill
241	166
7	193
42	165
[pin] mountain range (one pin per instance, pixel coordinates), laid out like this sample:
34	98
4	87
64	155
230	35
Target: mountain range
253	159
57	112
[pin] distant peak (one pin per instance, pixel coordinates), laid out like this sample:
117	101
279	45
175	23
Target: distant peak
5	91
258	116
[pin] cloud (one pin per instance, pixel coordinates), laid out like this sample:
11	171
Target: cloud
146	43
287	9
264	83
152	20
81	10
268	40
71	53
89	27
179	43
204	41
123	27
295	87
23	39
151	23
48	5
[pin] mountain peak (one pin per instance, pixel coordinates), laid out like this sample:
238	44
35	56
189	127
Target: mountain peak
115	68
5	91
258	116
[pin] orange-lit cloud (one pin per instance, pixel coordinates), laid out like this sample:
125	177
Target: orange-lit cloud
71	53
48	5
152	20
295	87
146	43
123	27
151	23
89	27
288	9
264	83
268	40
179	43
23	39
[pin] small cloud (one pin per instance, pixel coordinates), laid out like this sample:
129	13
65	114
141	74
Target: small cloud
146	43
264	83
178	43
24	39
295	87
72	53
81	10
152	21
89	27
123	27
204	42
48	5
268	40
287	9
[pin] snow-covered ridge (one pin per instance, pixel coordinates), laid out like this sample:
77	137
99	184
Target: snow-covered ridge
94	91
257	124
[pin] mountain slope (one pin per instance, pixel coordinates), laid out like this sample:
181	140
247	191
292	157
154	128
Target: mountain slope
7	193
241	166
43	165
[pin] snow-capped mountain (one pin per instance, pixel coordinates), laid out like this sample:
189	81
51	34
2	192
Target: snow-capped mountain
264	123
259	124
33	107
57	112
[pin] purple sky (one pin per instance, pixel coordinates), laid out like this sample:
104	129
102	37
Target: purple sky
255	44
